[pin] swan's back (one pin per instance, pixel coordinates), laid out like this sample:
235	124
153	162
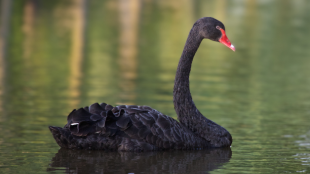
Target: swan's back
124	128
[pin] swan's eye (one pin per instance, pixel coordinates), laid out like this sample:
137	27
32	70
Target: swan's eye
217	27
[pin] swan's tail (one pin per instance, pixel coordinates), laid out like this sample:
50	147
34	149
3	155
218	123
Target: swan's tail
98	127
62	136
86	125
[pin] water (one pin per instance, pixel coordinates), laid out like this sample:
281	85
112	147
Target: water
130	162
127	53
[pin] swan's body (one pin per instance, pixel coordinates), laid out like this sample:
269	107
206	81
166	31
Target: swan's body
141	128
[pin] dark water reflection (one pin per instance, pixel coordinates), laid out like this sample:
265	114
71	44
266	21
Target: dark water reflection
59	55
80	161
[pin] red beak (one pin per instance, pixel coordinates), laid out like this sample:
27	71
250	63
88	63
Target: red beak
224	40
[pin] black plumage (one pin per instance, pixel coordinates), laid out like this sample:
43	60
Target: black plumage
141	128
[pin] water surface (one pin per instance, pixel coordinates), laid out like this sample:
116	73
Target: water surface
56	56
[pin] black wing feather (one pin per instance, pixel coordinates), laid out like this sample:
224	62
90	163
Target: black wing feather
124	127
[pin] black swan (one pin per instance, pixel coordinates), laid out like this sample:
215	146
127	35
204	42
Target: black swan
141	128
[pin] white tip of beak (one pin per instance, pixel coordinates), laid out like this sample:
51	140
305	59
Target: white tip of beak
232	47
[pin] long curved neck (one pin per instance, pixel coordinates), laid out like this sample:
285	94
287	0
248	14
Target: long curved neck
182	98
184	106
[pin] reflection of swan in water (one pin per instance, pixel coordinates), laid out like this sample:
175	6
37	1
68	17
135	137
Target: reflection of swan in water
80	161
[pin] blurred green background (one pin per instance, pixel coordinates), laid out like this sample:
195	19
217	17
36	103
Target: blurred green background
59	55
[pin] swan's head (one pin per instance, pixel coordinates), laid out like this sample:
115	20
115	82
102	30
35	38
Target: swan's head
210	28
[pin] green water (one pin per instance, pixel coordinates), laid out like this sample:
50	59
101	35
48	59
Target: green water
127	53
